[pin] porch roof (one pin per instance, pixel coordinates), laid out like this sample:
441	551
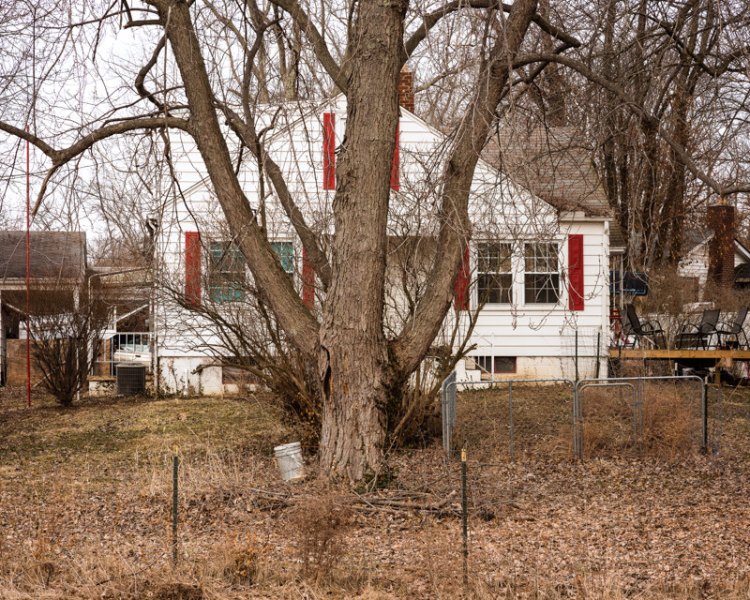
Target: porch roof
56	258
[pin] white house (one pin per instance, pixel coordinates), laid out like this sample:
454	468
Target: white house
535	268
715	252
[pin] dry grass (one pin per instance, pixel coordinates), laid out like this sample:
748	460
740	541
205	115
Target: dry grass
662	421
318	525
85	496
540	413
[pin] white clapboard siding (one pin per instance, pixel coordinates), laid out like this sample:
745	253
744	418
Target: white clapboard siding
499	210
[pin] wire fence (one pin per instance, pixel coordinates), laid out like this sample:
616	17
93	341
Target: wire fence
519	420
535	453
511	420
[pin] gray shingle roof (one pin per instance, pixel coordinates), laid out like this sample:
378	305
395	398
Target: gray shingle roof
54	255
553	163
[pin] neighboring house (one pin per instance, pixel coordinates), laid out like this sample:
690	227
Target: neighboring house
57	276
535	269
723	258
125	291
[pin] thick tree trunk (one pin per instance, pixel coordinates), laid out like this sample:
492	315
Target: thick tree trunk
354	350
357	366
354	420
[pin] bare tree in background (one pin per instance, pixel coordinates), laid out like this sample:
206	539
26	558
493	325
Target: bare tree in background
662	92
65	333
205	67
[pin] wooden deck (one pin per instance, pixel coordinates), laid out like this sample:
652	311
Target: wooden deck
677	354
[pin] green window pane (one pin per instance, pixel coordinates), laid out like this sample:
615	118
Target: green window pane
285	252
227	275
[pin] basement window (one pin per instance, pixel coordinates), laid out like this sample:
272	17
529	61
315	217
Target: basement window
496	364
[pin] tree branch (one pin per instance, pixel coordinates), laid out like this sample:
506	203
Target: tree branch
63	156
418	334
246	132
318	43
29	137
653	120
432	19
60	157
140	80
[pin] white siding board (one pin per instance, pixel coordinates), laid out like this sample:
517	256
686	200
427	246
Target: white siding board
498	210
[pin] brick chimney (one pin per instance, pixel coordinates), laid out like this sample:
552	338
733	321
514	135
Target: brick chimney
406	89
720	218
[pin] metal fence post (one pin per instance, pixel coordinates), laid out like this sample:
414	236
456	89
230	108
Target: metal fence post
448	412
510	421
465	517
444	418
638	420
577	424
704	418
175	470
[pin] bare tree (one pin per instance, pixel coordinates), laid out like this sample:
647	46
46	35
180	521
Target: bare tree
205	67
662	90
65	331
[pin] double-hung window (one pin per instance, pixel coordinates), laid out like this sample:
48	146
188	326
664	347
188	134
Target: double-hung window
542	273
227	275
495	272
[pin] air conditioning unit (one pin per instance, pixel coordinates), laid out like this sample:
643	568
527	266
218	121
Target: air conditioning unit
131	379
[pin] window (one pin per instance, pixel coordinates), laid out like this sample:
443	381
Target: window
285	252
496	364
494	272
542	273
227	275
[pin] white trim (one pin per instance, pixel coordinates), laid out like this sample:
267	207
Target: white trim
740	249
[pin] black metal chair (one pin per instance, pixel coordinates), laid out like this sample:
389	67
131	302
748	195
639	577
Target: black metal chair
700	335
735	330
627	335
649	331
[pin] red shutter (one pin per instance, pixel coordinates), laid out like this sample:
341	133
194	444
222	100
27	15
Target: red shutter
308	281
575	272
395	183
461	285
193	268
329	151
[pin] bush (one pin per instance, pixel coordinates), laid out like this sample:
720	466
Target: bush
65	336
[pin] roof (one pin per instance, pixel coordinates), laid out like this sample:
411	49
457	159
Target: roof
553	163
54	255
741	249
694	238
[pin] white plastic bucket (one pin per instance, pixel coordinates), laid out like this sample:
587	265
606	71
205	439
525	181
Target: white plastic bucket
289	459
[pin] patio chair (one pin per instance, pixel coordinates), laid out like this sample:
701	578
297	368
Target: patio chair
695	336
735	330
627	335
649	331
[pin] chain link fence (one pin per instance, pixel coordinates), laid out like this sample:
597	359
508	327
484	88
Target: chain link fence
640	416
518	420
509	420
